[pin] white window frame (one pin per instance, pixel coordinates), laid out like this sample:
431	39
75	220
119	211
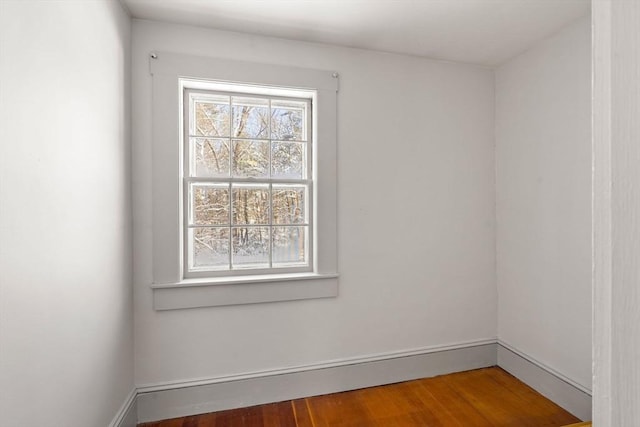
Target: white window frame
170	288
188	88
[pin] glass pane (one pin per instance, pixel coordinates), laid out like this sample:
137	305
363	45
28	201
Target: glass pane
250	204
288	120
288	160
209	157
250	246
288	204
289	245
209	204
209	248
210	116
250	117
250	158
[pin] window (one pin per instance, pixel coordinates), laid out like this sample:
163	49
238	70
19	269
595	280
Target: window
244	182
247	204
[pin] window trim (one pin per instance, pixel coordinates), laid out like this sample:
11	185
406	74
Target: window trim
171	290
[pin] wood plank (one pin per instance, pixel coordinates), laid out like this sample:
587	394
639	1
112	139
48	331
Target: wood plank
480	398
489	391
301	413
457	411
278	414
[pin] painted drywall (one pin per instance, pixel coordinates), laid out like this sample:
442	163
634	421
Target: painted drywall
470	31
66	318
543	186
415	158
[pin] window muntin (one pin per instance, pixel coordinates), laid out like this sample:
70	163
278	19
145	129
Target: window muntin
247	202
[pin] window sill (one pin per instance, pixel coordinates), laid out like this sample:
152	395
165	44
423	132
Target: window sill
213	292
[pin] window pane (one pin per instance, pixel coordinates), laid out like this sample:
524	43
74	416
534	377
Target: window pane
250	246
289	245
288	160
250	158
250	204
209	248
210	116
288	120
209	157
209	204
250	117
289	204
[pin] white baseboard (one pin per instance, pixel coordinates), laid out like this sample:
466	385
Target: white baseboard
157	402
127	415
567	393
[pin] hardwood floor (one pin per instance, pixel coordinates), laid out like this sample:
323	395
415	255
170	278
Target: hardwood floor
479	398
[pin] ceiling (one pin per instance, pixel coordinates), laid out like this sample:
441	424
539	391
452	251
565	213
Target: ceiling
485	32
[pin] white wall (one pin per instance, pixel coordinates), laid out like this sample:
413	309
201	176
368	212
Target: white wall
66	327
428	281
543	159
